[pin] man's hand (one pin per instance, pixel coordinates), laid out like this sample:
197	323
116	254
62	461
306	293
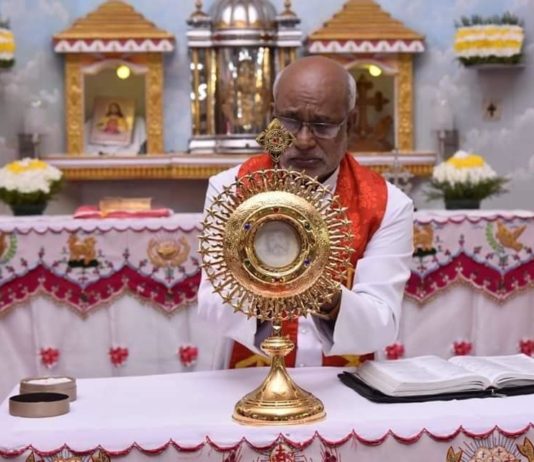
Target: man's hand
329	311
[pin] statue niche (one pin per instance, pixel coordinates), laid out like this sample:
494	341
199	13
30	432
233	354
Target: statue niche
374	130
244	103
115	113
95	47
378	50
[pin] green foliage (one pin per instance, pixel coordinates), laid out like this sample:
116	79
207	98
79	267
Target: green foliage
38	197
6	64
506	19
479	191
477	60
491	239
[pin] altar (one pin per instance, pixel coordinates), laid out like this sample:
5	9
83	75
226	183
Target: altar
185	417
110	297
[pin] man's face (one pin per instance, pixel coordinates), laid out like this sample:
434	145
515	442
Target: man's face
314	98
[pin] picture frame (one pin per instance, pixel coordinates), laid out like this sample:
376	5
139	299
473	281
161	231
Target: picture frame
113	121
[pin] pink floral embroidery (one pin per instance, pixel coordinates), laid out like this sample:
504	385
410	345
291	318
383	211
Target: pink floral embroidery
188	355
462	347
282	453
329	456
118	356
49	356
395	351
234	456
526	346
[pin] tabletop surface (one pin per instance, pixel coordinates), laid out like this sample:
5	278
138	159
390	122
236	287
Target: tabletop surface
191	408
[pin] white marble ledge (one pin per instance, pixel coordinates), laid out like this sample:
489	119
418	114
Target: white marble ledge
229	160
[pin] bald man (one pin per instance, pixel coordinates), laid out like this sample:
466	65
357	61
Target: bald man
315	99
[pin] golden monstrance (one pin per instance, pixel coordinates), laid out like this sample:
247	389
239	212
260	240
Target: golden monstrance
275	246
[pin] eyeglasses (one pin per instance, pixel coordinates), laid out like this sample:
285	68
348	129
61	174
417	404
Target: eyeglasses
319	130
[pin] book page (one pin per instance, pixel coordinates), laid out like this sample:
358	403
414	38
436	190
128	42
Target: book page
419	376
501	371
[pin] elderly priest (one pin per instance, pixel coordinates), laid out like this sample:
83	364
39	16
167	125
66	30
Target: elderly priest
315	99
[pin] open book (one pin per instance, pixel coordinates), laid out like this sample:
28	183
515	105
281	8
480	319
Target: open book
431	375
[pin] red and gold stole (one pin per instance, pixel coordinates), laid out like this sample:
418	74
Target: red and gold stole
364	193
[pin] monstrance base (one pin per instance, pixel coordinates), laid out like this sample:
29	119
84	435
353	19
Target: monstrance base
278	400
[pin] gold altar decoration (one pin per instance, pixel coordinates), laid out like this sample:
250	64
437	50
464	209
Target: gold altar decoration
124	204
82	249
113	35
180	166
276	139
236	51
168	252
274	245
378	50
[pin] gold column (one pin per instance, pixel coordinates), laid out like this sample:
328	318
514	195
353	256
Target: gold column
196	84
286	56
211	76
74	104
281	58
154	103
404	90
292	55
267	68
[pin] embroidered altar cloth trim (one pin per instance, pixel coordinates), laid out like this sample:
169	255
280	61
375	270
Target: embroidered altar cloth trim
491	251
86	263
156	258
184	409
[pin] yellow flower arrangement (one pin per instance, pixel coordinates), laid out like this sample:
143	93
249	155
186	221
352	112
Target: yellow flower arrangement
496	40
31	164
468	161
7	45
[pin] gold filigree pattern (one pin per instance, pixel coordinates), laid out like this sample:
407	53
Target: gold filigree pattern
82	249
275	139
154	103
404	93
73	104
508	237
168	252
496	449
236	267
527	449
423	237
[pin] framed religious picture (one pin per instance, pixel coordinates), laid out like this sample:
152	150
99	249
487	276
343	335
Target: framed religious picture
113	120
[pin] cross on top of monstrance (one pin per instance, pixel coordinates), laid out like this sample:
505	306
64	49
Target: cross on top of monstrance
274	246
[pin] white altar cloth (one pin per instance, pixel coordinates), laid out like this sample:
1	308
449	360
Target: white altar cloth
192	412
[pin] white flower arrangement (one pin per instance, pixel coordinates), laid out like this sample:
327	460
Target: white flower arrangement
29	181
465	176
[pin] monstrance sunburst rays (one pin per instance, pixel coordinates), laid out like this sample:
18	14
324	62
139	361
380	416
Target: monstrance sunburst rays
282	213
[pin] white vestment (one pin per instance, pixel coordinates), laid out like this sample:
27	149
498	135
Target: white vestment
368	318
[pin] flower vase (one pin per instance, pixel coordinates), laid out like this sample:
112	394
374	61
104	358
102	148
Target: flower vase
462	204
20	210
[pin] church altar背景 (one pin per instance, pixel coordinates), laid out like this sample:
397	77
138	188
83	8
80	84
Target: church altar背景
235	52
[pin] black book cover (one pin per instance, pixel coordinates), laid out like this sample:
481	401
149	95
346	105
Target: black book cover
372	394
